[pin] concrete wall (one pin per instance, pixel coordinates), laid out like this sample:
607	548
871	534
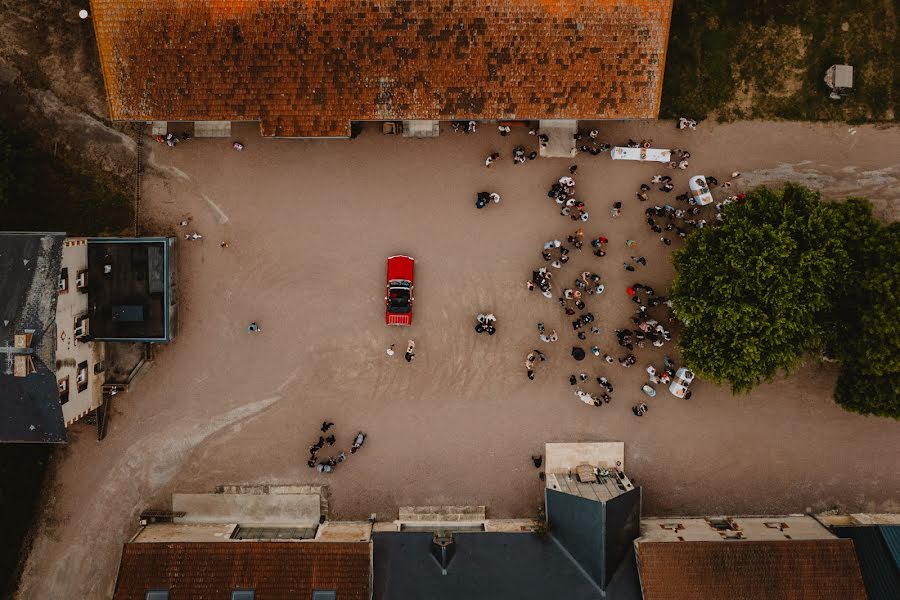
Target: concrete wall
248	509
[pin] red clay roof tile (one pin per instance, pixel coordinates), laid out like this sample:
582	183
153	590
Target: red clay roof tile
276	570
750	570
309	67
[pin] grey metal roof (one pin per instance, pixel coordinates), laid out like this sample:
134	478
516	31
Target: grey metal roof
485	566
29	286
891	535
878	551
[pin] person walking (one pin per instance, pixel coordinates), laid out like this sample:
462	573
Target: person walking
410	351
390	350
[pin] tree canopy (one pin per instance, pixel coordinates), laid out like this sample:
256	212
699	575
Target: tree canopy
869	349
785	275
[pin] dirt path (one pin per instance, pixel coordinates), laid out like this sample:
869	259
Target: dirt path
309	225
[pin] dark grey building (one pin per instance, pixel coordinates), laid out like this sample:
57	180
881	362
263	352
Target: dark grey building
878	551
131	289
595	513
29	286
477	566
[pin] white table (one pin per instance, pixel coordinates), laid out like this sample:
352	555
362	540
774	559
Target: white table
642	154
700	190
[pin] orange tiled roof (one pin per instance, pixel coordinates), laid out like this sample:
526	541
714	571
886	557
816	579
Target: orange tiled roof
750	570
309	67
275	570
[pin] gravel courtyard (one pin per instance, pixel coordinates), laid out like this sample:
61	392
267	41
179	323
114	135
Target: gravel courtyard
309	224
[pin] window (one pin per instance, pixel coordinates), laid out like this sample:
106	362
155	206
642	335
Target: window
63	390
81	285
672	526
64	281
81	327
324	595
156	595
776	525
82	379
243	595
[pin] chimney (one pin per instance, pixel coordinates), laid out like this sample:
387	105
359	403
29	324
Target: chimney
443	548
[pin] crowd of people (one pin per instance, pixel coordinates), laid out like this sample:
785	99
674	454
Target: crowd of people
329	464
653	318
563	193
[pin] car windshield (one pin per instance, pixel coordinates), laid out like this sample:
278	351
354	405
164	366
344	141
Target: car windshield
398	300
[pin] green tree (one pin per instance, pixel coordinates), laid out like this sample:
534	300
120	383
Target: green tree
755	293
869	349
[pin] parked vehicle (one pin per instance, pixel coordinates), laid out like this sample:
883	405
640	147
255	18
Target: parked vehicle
399	296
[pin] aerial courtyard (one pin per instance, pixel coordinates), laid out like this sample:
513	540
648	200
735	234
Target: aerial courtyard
308	226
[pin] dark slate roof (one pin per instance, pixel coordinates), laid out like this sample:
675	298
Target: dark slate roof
625	583
824	569
891	535
131	302
597	534
275	570
29	286
880	567
309	67
485	566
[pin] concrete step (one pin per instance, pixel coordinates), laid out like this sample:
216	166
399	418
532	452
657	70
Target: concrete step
562	138
421	129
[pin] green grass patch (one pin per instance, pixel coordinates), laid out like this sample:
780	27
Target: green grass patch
766	59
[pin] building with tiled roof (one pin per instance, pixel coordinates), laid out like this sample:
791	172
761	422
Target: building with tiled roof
786	569
308	68
262	570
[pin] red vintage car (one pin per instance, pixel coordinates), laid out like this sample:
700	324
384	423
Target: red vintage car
399	299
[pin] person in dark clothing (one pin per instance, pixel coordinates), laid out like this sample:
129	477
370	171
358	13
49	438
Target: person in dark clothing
538	460
331	439
326	425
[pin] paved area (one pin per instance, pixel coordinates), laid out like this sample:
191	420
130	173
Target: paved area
309	224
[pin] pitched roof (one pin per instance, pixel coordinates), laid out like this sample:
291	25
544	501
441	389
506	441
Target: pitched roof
880	566
485	566
823	569
29	287
309	67
276	570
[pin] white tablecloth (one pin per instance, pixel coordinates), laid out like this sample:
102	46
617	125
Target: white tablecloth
642	154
